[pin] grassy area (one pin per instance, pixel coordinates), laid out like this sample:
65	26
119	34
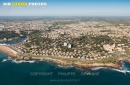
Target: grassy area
107	60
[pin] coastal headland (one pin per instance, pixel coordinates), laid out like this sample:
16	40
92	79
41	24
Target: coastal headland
80	64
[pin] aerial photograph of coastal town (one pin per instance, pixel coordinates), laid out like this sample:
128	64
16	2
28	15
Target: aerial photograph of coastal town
65	42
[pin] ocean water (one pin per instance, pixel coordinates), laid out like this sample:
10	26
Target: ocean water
14	72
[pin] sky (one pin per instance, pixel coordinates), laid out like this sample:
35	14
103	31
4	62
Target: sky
69	8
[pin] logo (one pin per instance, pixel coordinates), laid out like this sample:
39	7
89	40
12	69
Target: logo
25	4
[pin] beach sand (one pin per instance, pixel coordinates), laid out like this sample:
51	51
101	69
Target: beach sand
5	48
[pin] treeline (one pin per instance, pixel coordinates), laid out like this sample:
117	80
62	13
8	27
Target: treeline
8	34
29	32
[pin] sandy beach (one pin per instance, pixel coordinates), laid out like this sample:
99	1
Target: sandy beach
5	48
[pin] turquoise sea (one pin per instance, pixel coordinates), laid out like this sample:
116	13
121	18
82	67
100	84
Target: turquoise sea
14	72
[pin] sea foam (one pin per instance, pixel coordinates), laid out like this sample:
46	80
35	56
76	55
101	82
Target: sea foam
71	66
22	61
4	60
97	68
123	69
15	61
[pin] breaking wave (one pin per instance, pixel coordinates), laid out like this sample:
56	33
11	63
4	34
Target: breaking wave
4	60
15	61
59	66
124	69
21	61
97	68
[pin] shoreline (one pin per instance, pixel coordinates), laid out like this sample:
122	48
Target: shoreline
5	48
79	64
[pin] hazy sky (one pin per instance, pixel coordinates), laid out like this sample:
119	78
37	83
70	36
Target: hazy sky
70	8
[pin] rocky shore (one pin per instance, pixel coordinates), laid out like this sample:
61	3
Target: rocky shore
63	62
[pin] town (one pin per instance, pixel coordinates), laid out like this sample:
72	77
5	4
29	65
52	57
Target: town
71	38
